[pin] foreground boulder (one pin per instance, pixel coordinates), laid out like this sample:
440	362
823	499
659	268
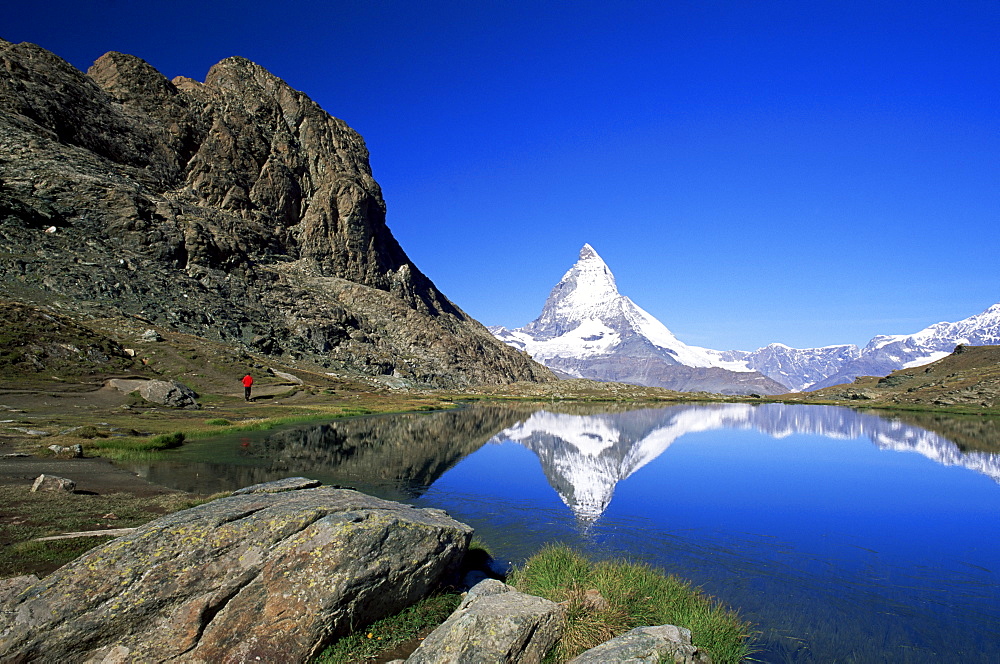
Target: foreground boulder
261	576
494	623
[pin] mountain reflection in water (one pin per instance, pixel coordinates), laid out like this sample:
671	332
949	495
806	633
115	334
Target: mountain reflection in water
802	516
395	456
585	456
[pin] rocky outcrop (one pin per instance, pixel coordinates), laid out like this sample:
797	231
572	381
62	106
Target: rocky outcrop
35	340
261	576
234	209
170	393
494	623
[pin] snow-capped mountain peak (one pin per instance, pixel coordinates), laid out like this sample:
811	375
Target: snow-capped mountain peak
586	291
590	330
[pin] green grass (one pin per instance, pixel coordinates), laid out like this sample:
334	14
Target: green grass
392	632
637	595
25	516
139	449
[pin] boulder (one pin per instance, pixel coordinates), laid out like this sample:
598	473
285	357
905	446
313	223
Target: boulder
164	392
291	378
261	576
169	393
646	645
72	451
494	623
53	483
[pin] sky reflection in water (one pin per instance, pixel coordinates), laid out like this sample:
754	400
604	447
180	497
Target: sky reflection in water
840	549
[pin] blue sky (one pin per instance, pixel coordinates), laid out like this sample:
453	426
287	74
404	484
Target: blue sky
804	172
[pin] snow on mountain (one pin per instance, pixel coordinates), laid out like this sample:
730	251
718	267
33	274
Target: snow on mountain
887	353
813	368
797	368
587	329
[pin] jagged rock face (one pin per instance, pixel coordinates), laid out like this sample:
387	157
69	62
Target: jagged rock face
236	208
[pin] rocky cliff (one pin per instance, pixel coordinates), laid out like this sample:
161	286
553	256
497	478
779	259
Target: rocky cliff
234	209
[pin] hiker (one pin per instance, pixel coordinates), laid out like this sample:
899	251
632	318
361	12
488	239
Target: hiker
247	382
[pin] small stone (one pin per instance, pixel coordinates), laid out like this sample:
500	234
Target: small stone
52	483
646	644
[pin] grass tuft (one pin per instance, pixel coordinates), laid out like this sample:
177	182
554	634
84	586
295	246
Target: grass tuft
630	595
392	632
139	449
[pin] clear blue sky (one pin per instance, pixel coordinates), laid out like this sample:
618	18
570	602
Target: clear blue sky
805	172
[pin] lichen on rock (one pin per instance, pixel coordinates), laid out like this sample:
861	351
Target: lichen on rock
262	575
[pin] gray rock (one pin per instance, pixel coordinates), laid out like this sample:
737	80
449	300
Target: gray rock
646	645
169	393
30	432
291	378
494	623
151	335
11	587
53	483
256	577
278	486
73	451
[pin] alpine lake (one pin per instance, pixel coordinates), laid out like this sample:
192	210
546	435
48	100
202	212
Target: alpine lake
843	535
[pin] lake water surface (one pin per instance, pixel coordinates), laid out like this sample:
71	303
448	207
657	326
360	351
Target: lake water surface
845	536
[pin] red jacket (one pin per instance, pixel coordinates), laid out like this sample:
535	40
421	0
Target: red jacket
247	380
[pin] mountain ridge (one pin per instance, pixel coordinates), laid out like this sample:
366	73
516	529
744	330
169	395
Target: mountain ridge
807	369
235	208
588	329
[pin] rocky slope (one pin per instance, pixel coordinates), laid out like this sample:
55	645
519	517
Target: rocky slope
887	353
587	329
235	209
968	377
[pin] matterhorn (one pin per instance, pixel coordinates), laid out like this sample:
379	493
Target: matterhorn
587	329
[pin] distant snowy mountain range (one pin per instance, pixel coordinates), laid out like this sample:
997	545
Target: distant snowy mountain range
587	329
